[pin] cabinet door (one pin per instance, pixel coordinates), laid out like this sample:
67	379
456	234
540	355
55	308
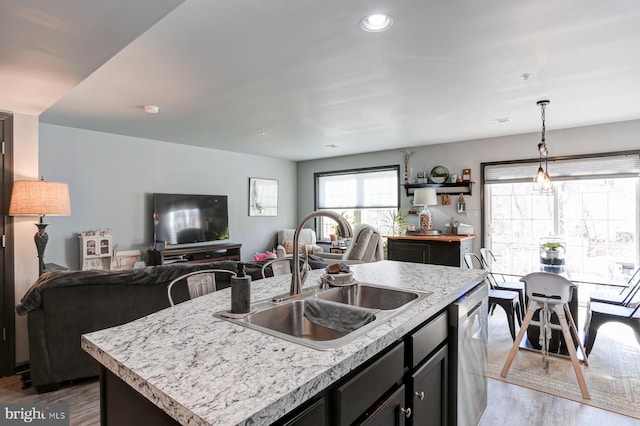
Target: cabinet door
447	254
428	391
390	412
408	252
91	248
357	395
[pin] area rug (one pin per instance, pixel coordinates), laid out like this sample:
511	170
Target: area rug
613	374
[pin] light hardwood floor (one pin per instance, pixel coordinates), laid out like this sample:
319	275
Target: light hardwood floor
507	405
517	406
83	398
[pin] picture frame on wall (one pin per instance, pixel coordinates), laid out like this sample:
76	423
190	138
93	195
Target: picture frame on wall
263	197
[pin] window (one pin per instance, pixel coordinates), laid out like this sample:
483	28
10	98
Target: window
594	210
368	195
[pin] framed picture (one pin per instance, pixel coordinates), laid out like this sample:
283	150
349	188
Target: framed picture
263	197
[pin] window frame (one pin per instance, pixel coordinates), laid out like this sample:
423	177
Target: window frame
318	175
483	180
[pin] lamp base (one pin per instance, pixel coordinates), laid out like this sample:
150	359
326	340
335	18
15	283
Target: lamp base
41	238
426	220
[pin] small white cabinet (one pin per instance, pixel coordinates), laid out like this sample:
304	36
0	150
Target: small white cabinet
96	251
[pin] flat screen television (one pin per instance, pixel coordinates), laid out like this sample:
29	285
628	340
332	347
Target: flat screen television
185	219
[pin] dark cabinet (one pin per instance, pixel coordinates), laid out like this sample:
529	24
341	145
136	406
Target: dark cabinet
427	381
355	398
436	250
404	385
428	391
408	251
314	415
391	411
199	254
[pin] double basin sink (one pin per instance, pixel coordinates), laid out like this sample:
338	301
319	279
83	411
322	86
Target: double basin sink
327	319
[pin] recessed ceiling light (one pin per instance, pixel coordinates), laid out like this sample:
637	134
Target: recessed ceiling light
376	22
501	120
526	76
331	145
151	109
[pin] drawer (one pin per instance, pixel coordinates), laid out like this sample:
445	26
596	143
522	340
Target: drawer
361	392
427	339
310	416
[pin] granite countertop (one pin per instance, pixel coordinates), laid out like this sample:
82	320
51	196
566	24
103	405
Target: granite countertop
205	371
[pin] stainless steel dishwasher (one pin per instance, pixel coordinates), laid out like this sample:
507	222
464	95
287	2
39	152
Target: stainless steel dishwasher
468	366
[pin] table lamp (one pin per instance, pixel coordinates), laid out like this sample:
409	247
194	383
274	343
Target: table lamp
40	198
425	197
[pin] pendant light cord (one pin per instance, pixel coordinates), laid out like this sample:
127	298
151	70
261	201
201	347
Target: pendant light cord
543	126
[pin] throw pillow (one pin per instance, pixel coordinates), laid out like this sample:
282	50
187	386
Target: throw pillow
288	247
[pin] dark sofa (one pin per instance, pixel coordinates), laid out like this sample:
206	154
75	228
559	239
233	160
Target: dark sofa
63	305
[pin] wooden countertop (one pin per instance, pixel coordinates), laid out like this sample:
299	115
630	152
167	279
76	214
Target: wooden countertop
448	238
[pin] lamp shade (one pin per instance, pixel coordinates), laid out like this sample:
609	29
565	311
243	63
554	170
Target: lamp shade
39	198
425	197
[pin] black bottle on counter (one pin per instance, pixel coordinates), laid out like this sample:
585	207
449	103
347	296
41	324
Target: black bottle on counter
240	292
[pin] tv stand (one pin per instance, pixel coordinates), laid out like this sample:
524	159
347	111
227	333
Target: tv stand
199	254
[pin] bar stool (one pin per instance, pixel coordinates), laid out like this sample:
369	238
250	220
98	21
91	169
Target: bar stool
551	293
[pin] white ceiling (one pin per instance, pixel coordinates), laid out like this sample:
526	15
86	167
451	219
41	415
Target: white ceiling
288	78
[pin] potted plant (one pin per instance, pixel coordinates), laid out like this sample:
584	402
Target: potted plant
552	252
397	221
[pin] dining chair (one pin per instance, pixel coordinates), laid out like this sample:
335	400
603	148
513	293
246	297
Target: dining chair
488	259
281	266
507	300
198	283
600	313
622	298
550	293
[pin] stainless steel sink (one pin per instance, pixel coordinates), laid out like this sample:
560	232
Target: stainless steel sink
291	319
287	320
370	296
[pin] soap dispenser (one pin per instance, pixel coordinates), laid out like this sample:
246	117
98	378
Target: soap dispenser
240	292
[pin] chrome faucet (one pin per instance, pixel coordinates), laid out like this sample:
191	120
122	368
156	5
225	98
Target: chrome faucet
345	230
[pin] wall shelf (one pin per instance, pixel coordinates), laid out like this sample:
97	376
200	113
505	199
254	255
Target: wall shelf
456	188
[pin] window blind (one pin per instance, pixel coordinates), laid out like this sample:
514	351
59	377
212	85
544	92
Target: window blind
597	167
377	188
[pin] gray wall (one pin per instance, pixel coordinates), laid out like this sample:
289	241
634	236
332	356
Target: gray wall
469	154
111	179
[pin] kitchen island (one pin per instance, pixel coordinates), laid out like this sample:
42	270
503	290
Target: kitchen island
202	370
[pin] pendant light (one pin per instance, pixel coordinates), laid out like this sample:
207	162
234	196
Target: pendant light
542	181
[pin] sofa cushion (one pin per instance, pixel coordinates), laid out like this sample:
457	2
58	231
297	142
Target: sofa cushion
361	244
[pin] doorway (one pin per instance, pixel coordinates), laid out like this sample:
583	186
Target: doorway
7	293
